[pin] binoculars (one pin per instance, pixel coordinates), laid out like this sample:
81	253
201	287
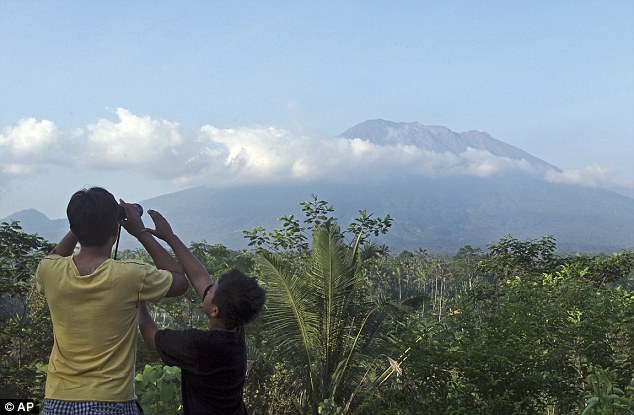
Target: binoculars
122	214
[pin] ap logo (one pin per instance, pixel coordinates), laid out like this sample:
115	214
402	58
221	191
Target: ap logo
18	406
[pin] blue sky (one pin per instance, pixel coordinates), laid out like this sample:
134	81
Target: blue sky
149	97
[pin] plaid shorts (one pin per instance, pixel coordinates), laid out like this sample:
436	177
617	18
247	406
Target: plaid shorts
56	407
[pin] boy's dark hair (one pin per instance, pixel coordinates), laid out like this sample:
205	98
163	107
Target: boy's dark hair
239	298
92	214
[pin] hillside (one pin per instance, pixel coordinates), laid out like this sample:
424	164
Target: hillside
439	215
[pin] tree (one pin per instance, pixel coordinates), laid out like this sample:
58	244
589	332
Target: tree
318	319
510	257
25	327
517	346
606	269
294	235
464	265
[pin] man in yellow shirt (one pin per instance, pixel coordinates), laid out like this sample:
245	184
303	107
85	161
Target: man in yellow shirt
93	304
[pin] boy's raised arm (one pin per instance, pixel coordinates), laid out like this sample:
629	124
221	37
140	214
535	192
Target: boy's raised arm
195	270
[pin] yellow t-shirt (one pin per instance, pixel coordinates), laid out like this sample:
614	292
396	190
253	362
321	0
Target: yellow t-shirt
94	325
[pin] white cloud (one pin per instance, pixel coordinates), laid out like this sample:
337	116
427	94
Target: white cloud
594	175
241	155
157	149
132	142
29	138
27	148
484	164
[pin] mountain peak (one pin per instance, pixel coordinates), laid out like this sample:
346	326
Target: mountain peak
438	139
34	221
30	215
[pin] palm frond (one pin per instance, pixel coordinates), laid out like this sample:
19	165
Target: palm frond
320	316
289	315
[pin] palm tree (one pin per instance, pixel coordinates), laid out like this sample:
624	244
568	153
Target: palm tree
318	318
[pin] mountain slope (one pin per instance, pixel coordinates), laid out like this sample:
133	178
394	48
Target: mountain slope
440	215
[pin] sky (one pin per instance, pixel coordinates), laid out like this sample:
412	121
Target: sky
150	97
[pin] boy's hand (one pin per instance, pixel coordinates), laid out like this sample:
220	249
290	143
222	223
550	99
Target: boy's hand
162	228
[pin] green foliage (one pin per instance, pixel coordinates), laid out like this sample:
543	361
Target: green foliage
464	267
25	327
516	330
329	407
158	389
517	347
365	226
418	279
294	235
317	315
218	259
605	398
268	386
510	257
186	311
606	269
318	320
138	254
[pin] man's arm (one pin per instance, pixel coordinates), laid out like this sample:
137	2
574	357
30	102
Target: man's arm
162	259
147	326
66	246
195	270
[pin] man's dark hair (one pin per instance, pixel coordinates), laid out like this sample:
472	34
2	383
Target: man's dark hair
92	214
239	298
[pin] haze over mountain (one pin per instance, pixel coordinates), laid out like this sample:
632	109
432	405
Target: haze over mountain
444	190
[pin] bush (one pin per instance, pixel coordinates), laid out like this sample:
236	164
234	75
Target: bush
158	389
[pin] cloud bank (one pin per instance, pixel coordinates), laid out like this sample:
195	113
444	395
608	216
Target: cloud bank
212	156
595	176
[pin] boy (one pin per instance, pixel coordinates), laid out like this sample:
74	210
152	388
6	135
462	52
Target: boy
213	362
93	304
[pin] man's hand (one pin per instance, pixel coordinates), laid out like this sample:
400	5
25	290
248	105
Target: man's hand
133	222
162	228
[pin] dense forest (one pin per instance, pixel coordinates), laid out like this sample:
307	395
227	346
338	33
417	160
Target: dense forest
352	328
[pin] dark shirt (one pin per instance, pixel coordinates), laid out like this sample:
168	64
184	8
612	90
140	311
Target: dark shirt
213	367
